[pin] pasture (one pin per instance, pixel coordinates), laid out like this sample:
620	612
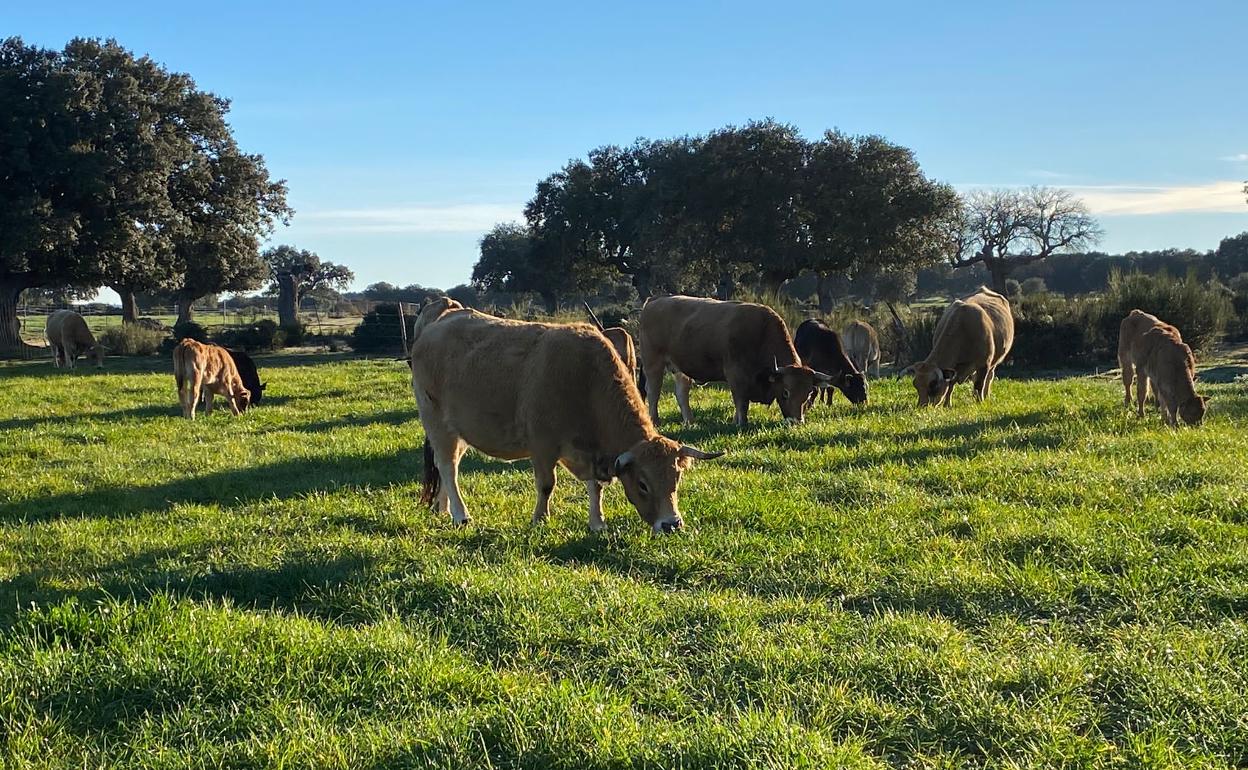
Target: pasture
1039	581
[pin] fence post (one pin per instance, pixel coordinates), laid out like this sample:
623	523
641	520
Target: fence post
403	328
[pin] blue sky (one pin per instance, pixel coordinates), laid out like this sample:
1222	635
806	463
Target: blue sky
405	130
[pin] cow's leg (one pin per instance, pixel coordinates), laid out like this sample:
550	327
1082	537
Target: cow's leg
196	391
877	364
981	380
828	393
544	481
683	385
209	400
654	387
447	451
947	399
70	354
742	403
1141	393
1128	374
988	380
184	398
593	488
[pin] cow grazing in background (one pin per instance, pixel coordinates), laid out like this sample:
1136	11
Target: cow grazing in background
620	339
1153	352
820	348
557	394
862	345
743	344
202	370
250	377
973	337
69	337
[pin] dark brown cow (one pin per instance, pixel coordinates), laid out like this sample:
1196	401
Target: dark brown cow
251	378
820	349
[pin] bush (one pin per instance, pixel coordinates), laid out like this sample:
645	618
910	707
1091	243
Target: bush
1239	300
1013	288
1034	285
189	329
262	335
1202	312
379	331
132	340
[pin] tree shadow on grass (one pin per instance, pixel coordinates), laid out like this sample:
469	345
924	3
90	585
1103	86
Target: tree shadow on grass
169	408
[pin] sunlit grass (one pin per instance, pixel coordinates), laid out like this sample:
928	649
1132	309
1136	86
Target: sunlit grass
1039	581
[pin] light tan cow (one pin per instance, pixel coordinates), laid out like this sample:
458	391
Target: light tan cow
1152	351
741	343
862	345
202	370
973	337
557	394
69	337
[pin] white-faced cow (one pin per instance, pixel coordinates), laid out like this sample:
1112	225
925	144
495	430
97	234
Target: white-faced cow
820	348
557	394
746	345
69	338
973	337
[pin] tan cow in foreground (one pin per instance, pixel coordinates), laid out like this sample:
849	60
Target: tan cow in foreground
706	340
553	393
1152	351
973	337
204	370
69	337
862	345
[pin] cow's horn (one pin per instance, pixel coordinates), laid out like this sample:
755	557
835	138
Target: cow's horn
623	462
775	364
698	454
823	380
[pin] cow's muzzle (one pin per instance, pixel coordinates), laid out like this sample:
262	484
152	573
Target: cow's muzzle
669	526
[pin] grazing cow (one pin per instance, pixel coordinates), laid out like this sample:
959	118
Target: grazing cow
202	370
820	349
973	337
69	337
743	344
550	392
1152	351
862	345
620	339
250	377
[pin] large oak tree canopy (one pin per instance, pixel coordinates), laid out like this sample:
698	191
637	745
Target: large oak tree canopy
114	171
296	273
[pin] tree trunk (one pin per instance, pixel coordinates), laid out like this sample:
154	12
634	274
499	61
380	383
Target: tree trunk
823	289
642	282
10	327
185	300
551	301
129	305
999	271
725	287
287	300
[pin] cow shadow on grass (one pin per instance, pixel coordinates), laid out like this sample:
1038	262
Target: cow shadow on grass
393	417
287	479
168	408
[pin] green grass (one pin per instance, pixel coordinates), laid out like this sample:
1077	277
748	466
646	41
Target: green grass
1040	581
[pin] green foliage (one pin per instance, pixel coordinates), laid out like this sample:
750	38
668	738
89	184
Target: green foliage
293	334
379	331
262	335
1013	288
1034	285
1200	311
189	329
132	340
1038	581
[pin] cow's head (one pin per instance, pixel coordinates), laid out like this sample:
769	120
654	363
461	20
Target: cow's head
242	399
853	385
1192	411
650	473
792	387
98	352
932	382
257	394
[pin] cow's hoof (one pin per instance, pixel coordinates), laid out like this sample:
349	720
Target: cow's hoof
462	522
598	528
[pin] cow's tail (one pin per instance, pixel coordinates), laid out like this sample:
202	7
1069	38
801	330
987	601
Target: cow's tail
179	374
433	480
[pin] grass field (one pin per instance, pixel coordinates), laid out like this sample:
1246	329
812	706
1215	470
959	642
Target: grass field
1040	581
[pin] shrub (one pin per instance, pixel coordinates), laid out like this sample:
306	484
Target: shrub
1034	285
379	331
1239	300
294	334
262	335
189	329
1202	312
132	340
1013	288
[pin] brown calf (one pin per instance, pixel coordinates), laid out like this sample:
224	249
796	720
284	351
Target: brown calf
204	370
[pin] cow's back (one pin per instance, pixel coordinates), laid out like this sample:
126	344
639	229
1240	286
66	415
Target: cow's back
52	326
1000	318
1132	329
622	341
860	341
502	384
820	348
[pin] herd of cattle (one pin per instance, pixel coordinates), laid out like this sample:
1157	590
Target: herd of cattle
571	394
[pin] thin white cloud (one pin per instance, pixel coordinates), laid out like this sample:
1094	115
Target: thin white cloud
450	218
1214	197
1129	200
1241	157
1045	174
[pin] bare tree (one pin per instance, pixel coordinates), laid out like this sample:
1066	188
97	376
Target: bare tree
1005	229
